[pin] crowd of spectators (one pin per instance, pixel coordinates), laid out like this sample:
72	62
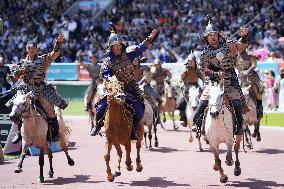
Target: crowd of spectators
181	24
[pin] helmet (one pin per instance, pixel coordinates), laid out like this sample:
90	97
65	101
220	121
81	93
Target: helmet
210	28
113	38
190	57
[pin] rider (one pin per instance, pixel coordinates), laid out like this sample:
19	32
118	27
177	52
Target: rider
188	78
159	75
94	71
120	63
32	70
217	61
246	63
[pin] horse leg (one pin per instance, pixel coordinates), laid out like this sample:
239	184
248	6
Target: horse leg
41	164
217	165
164	115
256	131
190	134
150	137
237	170
139	166
65	149
23	155
250	145
128	161
145	136
110	177
246	136
50	173
119	156
229	158
92	116
199	144
156	138
172	115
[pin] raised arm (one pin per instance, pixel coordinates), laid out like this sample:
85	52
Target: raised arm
143	46
241	44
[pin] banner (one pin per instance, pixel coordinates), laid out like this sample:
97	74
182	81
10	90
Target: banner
62	71
83	74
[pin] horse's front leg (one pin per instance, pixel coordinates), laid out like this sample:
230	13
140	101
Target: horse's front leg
217	165
50	156
164	115
110	177
65	149
229	158
256	131
139	166
155	133
128	161
199	144
150	136
237	170
119	156
41	164
190	134
145	137
22	157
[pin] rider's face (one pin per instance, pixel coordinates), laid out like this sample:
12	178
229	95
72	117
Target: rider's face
117	49
212	39
32	51
191	64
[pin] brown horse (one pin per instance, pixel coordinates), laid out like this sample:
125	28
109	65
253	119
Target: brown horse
118	127
168	103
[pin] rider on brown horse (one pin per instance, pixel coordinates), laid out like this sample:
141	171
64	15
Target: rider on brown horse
119	63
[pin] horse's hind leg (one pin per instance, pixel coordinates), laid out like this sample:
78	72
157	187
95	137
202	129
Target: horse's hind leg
164	117
23	155
150	136
156	138
145	137
119	156
139	166
172	115
229	158
237	170
217	165
128	161
50	156
110	177
249	140
41	164
190	135
256	131
200	145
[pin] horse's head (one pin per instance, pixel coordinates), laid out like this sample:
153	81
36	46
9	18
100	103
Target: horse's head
193	97
114	89
246	90
21	105
216	98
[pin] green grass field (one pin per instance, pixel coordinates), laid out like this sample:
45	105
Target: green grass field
76	108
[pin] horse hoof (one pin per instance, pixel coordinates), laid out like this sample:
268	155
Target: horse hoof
117	173
156	144
129	168
253	135
258	138
229	162
110	178
40	179
190	139
237	171
18	170
215	167
139	168
164	120
224	180
50	174
201	149
150	148
71	162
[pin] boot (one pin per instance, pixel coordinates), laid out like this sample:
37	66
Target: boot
99	125
18	136
259	109
239	120
54	126
135	126
198	117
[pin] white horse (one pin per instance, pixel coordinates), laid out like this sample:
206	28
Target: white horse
219	129
148	121
193	99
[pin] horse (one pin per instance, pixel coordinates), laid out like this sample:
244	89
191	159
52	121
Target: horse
250	118
99	93
118	126
192	99
148	121
219	129
168	103
35	132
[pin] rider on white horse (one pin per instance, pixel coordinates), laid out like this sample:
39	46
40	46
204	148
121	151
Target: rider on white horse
188	78
217	61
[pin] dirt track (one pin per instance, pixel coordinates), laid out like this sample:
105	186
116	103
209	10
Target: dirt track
174	164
